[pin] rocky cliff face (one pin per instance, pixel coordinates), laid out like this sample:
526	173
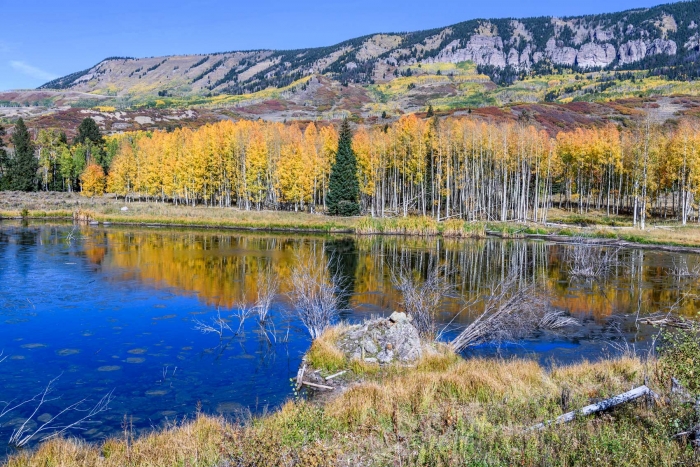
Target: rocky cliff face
666	34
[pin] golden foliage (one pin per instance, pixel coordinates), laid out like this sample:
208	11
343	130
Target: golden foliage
93	181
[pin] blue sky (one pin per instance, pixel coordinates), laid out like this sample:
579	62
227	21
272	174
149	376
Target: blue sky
41	40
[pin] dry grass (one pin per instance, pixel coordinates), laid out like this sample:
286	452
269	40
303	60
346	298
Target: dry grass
106	209
443	411
324	354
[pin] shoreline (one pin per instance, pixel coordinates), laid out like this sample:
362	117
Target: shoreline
454	409
593	234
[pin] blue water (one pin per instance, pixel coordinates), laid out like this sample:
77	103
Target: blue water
112	310
99	330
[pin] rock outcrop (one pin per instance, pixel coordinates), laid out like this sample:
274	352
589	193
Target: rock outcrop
383	340
482	50
593	55
636	50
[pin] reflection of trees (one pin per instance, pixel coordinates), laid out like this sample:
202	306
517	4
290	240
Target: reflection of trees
226	268
342	264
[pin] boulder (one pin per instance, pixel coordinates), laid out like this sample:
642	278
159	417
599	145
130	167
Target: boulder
383	340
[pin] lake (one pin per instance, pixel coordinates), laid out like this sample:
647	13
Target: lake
113	308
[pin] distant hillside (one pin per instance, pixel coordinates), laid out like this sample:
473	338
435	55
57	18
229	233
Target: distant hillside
664	39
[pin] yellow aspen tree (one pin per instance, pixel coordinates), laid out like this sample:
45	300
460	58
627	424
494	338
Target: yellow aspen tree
92	181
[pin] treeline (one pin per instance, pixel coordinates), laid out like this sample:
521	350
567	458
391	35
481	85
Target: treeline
50	162
442	168
451	168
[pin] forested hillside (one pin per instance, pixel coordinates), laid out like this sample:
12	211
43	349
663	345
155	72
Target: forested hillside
663	40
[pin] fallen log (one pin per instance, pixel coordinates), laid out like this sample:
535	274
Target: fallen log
672	321
300	375
340	373
623	398
317	386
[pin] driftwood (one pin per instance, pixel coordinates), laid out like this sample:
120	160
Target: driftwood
340	373
300	375
600	406
667	321
317	386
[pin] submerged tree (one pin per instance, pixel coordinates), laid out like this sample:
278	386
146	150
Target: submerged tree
24	165
343	187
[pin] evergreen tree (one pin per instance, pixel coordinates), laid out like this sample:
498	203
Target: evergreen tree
4	162
89	136
89	131
431	112
343	186
24	164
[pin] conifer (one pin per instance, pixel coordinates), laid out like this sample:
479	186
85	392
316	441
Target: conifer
343	186
24	164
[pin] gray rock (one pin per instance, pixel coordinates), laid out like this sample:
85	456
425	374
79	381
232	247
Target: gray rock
369	346
661	46
595	55
385	356
124	208
632	51
693	42
559	54
397	317
482	50
383	340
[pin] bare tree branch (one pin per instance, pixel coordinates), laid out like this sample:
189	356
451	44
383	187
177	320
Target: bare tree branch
315	294
218	326
510	313
590	261
422	299
55	426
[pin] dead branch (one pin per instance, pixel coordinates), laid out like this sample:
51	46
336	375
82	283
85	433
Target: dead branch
667	320
510	313
54	426
600	406
268	286
318	386
681	270
315	294
588	261
340	373
422	299
218	326
300	375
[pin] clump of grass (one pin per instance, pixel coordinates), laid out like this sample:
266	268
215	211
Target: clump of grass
324	354
397	226
457	228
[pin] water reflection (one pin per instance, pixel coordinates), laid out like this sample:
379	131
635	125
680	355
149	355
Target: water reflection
224	268
114	308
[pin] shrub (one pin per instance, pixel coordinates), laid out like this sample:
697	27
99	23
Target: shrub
679	357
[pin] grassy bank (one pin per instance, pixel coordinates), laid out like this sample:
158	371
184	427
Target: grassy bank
562	223
443	411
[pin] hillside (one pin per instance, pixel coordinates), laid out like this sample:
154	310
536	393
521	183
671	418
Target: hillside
648	54
650	39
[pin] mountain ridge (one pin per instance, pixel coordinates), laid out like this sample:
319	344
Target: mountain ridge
505	49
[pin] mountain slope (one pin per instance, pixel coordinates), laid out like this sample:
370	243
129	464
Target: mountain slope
665	38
